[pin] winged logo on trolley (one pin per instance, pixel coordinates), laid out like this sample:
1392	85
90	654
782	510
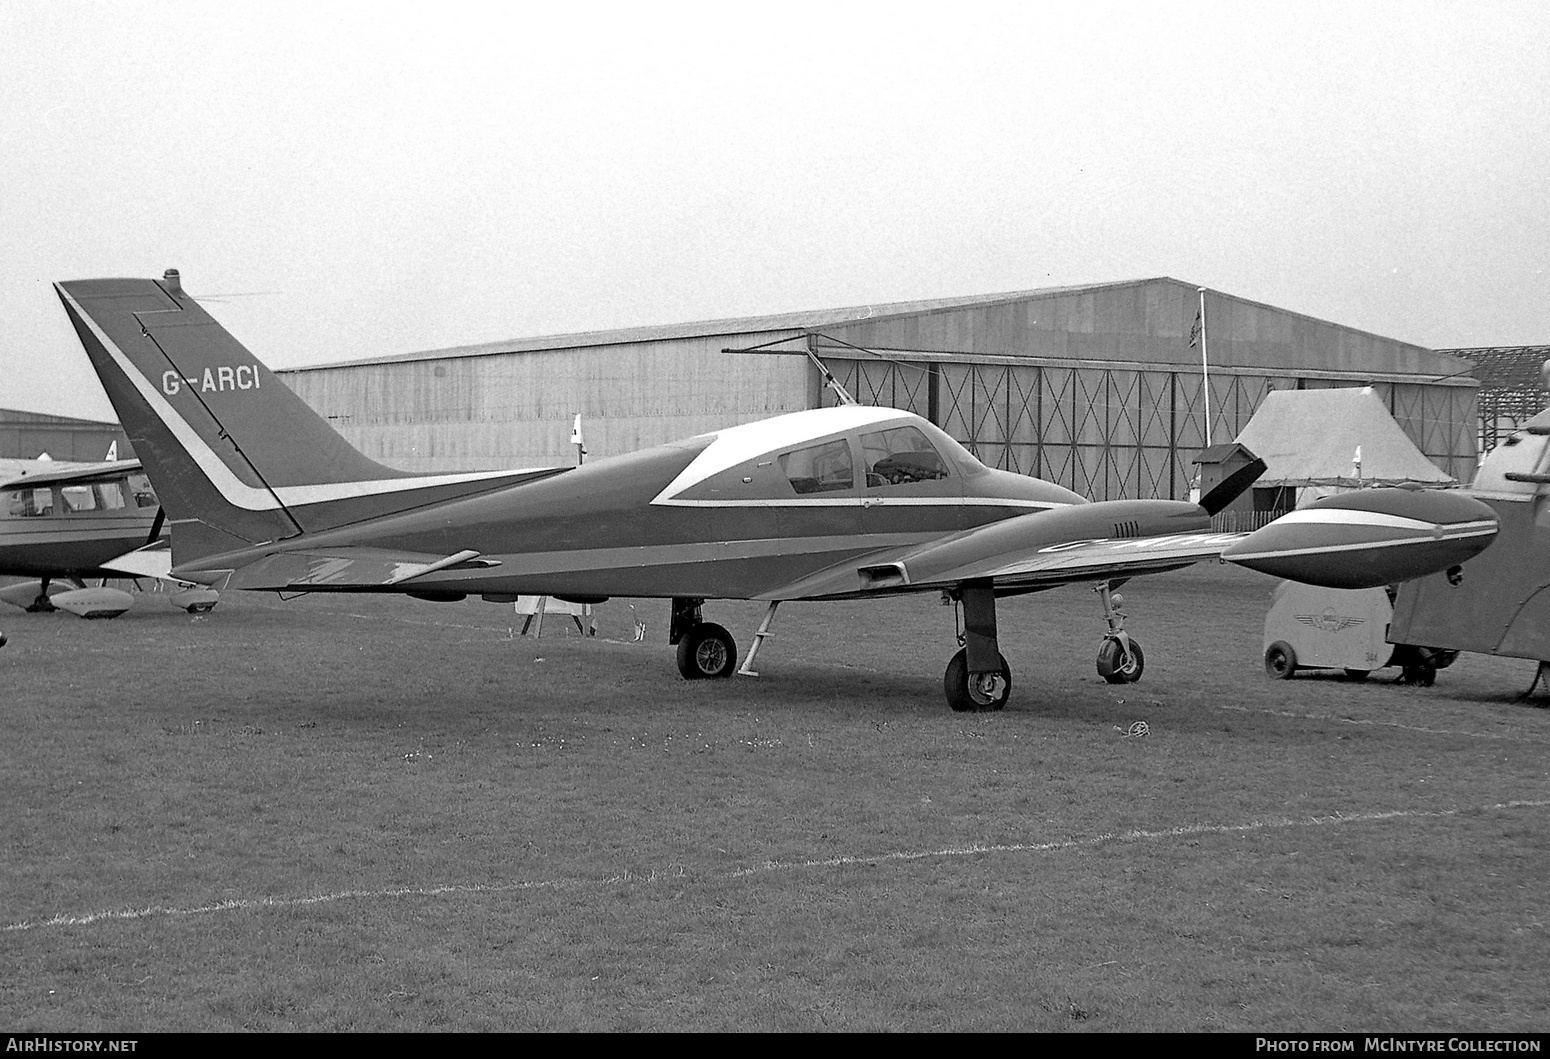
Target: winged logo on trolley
1329	621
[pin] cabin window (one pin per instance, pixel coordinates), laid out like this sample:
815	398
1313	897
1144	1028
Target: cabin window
820	468
140	489
110	495
899	456
26	503
79	498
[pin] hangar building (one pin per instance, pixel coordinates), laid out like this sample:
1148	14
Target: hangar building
1098	388
26	435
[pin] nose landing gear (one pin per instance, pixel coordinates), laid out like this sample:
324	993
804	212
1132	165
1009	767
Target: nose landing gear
1120	660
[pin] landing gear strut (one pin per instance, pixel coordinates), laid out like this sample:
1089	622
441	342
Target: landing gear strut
1119	657
705	649
978	677
42	605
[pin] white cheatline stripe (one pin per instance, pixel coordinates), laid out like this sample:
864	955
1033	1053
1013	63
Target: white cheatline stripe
1342	516
679	872
1359	546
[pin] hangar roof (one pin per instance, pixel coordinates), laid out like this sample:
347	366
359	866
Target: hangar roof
1506	367
742	325
15	416
1131	319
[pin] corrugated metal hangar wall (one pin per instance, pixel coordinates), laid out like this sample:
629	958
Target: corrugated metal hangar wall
1097	388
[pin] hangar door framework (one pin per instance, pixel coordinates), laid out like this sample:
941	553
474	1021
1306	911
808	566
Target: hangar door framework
1120	430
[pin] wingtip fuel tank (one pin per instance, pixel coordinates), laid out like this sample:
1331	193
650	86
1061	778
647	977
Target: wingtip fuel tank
1369	538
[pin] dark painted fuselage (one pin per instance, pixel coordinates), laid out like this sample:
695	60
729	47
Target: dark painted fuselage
714	516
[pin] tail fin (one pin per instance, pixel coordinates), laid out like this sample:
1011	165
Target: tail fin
236	457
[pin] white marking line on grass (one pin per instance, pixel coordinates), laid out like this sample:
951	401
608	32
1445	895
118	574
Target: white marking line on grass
651	877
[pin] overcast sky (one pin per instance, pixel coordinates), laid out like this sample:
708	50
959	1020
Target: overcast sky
365	179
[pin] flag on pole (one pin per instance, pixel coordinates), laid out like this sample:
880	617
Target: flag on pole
1194	332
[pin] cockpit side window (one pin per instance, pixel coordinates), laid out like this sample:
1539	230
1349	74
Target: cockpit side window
28	502
899	456
79	498
820	468
110	495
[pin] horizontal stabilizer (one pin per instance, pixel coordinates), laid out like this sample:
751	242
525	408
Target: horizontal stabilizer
344	568
154	560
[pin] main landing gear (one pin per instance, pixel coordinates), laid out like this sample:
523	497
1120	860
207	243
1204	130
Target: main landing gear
705	649
978	678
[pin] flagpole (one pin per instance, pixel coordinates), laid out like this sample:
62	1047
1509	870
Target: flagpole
1205	370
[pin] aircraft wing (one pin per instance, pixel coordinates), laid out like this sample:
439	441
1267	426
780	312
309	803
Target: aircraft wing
72	473
1055	564
1039	557
1363	539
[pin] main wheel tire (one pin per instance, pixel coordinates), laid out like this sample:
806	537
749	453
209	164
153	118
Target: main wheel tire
707	651
1115	668
986	694
1280	661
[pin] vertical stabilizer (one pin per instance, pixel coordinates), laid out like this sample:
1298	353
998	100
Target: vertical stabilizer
236	456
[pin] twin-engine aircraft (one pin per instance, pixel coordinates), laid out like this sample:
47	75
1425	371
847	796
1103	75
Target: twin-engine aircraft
847	502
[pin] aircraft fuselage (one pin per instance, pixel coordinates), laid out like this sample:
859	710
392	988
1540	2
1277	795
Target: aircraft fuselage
728	515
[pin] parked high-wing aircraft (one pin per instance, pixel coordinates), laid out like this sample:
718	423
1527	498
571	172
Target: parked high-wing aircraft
80	521
836	503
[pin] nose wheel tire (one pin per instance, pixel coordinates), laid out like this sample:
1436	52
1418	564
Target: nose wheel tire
1115	667
979	692
707	652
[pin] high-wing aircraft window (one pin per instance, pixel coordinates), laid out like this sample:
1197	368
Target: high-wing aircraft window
110	495
820	468
26	503
140	487
899	456
79	498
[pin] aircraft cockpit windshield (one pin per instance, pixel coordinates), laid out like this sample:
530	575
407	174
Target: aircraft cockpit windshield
820	468
899	456
877	459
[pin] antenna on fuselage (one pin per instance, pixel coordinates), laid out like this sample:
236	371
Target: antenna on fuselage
828	378
823	369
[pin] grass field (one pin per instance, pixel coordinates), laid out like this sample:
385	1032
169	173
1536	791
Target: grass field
351	813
